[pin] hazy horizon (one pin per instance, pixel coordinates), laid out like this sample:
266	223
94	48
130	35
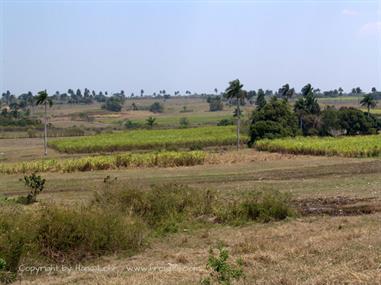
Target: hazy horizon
196	46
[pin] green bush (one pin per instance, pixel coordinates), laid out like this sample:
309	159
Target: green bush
156	107
226	122
112	104
222	271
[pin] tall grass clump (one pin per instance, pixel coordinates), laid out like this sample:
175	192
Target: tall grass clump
148	139
256	206
162	207
66	234
355	146
170	205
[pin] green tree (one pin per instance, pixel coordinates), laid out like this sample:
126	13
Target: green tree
369	102
284	90
235	91
260	101
274	120
307	105
43	99
36	183
354	122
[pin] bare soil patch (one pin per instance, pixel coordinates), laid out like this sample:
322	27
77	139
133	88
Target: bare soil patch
338	206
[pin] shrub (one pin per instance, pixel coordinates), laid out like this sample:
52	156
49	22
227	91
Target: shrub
156	107
65	234
215	104
184	122
14	234
222	271
129	124
256	206
36	183
112	104
162	208
226	122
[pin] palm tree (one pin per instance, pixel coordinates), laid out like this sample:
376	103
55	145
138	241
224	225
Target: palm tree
235	91
43	99
284	91
369	102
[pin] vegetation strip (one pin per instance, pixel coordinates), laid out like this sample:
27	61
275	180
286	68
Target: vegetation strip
103	162
149	139
123	219
358	146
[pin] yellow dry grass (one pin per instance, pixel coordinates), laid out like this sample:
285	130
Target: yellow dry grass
319	250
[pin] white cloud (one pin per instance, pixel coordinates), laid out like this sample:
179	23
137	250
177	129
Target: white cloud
371	28
348	12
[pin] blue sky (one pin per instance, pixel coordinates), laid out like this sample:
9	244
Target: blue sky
188	45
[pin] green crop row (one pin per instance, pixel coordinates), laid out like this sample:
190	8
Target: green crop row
103	162
149	139
355	146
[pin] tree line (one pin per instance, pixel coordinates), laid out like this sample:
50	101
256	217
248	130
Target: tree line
275	117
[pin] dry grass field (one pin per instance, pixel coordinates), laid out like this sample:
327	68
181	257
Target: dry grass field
333	239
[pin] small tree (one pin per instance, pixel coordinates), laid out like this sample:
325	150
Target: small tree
151	121
369	102
36	183
260	101
307	105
